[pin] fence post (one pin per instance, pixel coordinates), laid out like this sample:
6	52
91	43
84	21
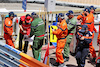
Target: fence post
2	25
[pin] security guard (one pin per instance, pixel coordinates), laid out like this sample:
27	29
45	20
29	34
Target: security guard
71	22
85	37
37	29
8	30
61	34
24	26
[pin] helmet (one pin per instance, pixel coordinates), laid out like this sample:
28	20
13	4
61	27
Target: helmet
11	14
69	12
33	13
15	15
61	15
92	7
84	27
6	16
87	9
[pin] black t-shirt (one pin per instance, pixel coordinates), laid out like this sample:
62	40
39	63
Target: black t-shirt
20	22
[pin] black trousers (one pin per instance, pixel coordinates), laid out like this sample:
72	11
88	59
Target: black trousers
20	43
81	56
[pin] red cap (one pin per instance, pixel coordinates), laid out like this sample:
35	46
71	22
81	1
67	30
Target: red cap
28	19
22	18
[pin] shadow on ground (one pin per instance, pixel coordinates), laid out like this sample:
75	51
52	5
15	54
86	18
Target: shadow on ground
90	61
52	61
70	65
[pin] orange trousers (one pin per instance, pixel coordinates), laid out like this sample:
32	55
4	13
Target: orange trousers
9	40
60	46
91	48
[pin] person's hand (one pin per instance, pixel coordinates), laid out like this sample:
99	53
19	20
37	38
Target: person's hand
82	38
80	20
13	39
28	36
87	35
98	42
79	27
53	29
24	31
58	24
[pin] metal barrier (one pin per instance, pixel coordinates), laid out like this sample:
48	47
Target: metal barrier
11	57
51	16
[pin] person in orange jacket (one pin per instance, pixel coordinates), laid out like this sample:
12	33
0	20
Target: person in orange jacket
61	34
90	23
92	10
81	18
8	30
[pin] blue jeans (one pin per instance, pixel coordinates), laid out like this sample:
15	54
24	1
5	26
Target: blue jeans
81	56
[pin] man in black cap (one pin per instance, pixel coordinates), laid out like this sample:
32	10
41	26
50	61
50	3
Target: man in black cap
84	37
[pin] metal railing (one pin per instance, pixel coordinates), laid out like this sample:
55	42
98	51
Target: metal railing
51	16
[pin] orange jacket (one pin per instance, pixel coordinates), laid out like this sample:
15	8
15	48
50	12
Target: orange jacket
62	31
98	38
8	26
86	20
94	29
90	22
81	17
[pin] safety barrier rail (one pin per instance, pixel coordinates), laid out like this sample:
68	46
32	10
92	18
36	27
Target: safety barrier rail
51	16
11	57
